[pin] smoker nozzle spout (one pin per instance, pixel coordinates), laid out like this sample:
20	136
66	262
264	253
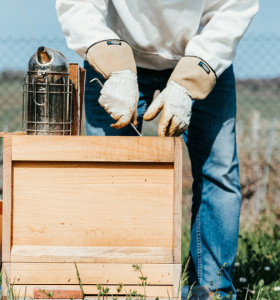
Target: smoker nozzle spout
43	55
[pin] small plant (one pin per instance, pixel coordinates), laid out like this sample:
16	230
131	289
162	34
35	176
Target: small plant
217	295
119	289
183	281
10	290
131	294
80	282
48	294
144	279
102	292
257	267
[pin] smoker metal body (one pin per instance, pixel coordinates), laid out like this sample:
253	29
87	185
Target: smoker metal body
47	94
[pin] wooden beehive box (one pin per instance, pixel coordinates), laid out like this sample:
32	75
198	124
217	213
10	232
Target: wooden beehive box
103	202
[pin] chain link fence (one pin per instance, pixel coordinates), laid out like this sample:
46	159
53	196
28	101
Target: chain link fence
258	109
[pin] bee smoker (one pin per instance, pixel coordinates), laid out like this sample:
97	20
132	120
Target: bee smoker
47	94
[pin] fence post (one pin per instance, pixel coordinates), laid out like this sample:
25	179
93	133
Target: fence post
255	125
269	149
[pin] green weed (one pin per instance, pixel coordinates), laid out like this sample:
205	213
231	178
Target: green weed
10	290
257	267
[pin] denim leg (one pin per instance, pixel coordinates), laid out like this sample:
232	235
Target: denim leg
216	202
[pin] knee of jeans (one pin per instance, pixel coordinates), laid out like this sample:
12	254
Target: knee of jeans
224	174
222	170
222	163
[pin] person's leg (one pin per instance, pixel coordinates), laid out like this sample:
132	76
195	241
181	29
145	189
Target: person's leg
216	203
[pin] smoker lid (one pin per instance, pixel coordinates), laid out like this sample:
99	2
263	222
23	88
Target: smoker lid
48	61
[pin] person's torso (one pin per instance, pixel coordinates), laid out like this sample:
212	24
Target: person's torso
157	30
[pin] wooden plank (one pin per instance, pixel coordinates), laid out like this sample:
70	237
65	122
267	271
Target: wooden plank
7	198
3	133
152	291
7	206
6	277
94	148
90	273
77	76
57	294
81	96
177	225
137	255
108	205
74	77
177	281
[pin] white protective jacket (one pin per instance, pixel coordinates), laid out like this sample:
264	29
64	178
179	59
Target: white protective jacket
160	31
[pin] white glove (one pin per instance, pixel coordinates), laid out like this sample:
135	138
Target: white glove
119	97
175	103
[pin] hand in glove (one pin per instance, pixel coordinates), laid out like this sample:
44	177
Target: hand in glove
175	103
192	78
119	97
114	60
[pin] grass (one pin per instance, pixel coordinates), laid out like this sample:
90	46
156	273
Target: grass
10	105
257	267
10	290
104	291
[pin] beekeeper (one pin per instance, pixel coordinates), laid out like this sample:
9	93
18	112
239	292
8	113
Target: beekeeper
185	49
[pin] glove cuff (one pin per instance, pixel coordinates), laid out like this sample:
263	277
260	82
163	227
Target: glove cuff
195	75
111	56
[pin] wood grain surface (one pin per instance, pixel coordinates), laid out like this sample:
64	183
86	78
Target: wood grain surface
7	198
93	204
133	255
98	148
90	273
177	200
103	202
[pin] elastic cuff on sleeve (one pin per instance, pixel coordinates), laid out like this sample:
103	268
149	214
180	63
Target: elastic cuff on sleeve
195	75
111	56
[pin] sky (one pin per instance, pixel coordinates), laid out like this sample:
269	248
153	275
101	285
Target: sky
35	19
32	18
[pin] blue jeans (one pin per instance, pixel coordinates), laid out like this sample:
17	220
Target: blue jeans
212	148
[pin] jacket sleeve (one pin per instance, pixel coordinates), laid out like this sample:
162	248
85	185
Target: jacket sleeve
83	23
224	22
